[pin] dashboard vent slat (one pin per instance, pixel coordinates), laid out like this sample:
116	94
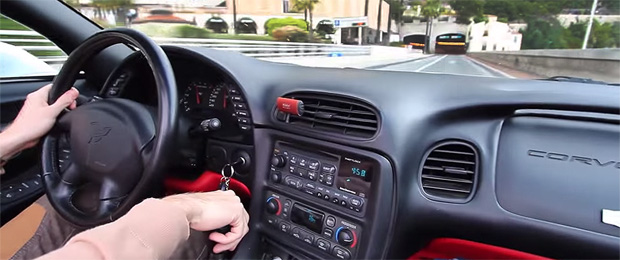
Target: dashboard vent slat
449	172
337	115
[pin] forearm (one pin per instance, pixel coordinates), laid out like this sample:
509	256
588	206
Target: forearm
151	230
10	144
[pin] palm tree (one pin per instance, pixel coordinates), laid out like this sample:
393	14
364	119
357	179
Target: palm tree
306	5
431	10
378	35
364	32
396	14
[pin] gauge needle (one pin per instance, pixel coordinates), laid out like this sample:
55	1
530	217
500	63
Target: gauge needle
224	104
197	96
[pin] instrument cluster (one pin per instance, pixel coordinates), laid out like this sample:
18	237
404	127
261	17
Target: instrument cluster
217	107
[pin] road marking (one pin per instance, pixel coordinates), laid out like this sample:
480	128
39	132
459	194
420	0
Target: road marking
430	64
491	68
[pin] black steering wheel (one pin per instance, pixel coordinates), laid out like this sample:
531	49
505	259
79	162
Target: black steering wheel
118	147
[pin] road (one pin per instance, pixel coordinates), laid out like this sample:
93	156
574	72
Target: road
445	64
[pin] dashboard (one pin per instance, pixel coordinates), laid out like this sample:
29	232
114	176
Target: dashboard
381	163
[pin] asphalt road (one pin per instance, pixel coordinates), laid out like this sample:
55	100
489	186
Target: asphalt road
446	64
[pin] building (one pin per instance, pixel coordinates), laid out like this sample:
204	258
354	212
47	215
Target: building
494	36
252	15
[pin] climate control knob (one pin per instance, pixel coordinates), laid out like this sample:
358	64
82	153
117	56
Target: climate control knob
273	205
344	236
278	160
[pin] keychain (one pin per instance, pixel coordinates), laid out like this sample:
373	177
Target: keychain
225	180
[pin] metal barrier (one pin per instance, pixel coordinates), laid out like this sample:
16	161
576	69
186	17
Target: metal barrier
45	50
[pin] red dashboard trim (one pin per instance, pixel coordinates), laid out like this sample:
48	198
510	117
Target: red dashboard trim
208	181
451	248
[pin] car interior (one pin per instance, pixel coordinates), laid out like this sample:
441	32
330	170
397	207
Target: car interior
330	163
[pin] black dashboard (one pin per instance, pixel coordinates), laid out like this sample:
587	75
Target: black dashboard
381	162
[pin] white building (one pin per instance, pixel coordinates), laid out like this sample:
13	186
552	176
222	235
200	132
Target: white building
494	36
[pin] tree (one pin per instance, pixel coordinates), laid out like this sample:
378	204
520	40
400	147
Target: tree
431	10
467	9
396	13
544	34
378	35
307	5
118	7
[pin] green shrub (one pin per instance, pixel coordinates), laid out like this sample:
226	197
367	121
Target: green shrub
275	23
397	44
189	31
248	37
8	24
290	34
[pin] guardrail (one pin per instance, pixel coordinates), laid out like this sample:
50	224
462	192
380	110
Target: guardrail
45	50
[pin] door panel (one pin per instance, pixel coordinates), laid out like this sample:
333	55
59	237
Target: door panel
21	183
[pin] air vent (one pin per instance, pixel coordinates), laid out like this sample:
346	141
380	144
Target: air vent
337	115
449	172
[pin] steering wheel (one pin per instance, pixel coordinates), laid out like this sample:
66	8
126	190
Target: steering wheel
118	147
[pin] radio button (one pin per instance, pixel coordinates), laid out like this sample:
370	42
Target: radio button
313	165
319	194
294	159
343	203
308	238
328	232
310	185
328	168
309	191
312	175
303	162
341	253
323	244
285	227
335	200
331	221
291	169
326	197
276	177
329	179
356	202
292	182
272	221
297	233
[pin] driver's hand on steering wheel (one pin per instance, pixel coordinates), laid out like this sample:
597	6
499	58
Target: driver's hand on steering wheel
212	210
34	120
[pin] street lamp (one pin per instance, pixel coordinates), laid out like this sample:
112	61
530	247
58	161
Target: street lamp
585	38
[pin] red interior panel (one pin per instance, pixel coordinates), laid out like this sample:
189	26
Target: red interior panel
208	181
451	248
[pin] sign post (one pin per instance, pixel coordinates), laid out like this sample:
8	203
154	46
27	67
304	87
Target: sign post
353	22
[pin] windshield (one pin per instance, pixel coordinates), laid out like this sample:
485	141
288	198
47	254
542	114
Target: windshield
528	39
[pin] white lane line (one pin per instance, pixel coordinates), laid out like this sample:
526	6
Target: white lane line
485	73
491	68
430	64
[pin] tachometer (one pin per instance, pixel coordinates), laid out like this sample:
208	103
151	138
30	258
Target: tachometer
199	96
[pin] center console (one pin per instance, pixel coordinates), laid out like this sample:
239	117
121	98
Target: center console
318	199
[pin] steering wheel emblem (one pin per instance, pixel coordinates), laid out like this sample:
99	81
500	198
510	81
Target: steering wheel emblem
98	132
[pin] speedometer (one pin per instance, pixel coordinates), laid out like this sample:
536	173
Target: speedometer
199	96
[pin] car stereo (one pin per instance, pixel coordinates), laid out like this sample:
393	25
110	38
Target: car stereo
343	179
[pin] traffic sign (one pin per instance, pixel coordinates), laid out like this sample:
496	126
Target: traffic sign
351	22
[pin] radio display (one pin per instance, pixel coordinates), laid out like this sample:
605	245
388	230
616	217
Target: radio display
306	217
354	176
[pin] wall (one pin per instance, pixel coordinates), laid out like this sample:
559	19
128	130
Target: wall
600	64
